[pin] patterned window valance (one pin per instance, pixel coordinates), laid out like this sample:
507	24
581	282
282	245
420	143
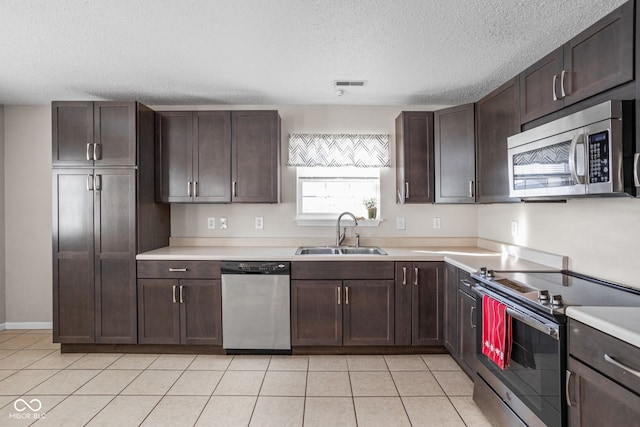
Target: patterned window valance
334	150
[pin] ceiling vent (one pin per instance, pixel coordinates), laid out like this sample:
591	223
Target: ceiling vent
344	83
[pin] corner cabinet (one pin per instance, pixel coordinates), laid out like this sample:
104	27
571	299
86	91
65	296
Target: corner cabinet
598	59
419	303
414	157
102	217
218	156
497	118
348	303
455	169
179	302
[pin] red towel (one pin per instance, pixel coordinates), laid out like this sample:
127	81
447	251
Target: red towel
496	332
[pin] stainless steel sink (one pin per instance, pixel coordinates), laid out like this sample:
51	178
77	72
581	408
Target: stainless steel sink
340	250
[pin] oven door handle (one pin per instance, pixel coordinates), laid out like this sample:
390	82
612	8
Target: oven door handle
550	330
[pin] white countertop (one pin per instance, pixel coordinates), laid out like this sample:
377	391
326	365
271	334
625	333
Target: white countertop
469	258
620	322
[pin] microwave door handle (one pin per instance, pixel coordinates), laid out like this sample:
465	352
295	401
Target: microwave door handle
572	159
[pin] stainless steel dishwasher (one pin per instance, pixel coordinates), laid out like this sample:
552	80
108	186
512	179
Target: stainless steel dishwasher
256	315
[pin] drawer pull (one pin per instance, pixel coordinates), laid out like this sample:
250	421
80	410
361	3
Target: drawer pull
621	366
177	270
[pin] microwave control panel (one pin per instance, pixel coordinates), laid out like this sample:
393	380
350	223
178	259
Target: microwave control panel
599	157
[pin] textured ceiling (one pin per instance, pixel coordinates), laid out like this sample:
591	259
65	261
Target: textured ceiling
431	52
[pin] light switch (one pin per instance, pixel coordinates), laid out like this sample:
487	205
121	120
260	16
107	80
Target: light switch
211	223
400	223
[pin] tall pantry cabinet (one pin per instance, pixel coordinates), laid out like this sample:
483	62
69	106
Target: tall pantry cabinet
104	213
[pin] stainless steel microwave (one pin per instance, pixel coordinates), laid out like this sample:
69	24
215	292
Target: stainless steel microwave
588	153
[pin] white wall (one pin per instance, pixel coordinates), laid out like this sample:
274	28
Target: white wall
28	214
3	312
456	221
600	236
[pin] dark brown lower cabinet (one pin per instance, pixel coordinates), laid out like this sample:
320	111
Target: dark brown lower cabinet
179	311
467	332
335	312
419	303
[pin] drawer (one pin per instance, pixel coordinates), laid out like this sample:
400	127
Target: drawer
179	269
342	270
590	346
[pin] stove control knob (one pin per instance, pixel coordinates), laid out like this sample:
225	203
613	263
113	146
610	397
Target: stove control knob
556	300
491	273
543	296
483	271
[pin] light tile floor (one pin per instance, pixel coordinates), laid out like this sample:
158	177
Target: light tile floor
41	386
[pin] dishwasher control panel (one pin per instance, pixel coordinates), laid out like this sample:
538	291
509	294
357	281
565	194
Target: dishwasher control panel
255	267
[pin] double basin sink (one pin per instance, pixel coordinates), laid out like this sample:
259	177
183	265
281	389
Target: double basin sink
340	250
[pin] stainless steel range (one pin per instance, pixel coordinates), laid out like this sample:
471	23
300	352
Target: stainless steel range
531	390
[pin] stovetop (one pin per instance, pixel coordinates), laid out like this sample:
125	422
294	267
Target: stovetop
552	291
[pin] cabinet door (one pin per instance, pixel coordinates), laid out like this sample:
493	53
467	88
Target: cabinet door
540	92
403	303
368	312
451	309
255	156
158	311
115	253
427	304
598	401
115	133
601	57
467	324
316	312
497	118
455	167
414	157
174	145
72	133
73	256
212	156
200	312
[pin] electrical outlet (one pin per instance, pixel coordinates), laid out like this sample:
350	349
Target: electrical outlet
514	228
223	222
436	222
400	223
211	223
259	223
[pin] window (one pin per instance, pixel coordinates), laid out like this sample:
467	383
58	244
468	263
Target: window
325	192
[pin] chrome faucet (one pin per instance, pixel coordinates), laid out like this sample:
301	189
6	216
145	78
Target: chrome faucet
340	236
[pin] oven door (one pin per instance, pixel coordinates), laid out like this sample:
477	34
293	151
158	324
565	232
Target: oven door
552	166
532	385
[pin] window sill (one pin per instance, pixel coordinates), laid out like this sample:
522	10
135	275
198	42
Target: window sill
331	222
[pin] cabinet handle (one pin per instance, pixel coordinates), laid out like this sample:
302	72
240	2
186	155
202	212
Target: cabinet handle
404	275
195	188
470	188
177	270
415	277
97	182
235	189
346	295
338	291
97	151
621	366
562	92
636	171
173	294
555	95
89	151
472	317
89	182
567	388
189	189
406	189
181	297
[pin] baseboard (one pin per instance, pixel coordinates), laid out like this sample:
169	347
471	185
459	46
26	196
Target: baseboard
27	325
3	326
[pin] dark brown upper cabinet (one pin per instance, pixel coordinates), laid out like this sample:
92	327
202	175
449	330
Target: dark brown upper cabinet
497	118
414	157
218	156
194	156
598	59
94	133
455	169
255	154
